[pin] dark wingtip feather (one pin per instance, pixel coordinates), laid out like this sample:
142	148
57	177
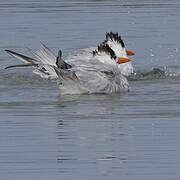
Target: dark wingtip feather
26	58
8	51
21	65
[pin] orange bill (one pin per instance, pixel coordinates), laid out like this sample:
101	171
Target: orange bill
130	52
122	60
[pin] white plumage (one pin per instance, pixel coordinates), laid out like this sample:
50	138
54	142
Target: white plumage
94	70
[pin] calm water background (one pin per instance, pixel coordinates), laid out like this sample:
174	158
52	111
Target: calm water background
135	135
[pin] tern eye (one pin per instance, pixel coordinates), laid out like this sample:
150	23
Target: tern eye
44	69
114	57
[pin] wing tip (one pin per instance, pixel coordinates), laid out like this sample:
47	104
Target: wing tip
7	50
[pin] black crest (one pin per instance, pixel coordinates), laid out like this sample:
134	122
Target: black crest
115	37
105	48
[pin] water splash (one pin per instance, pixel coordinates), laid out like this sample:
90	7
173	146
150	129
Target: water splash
154	74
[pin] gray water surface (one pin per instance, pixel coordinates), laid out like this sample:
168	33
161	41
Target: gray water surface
128	136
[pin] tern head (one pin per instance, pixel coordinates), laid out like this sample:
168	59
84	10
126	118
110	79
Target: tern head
114	41
105	54
117	45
